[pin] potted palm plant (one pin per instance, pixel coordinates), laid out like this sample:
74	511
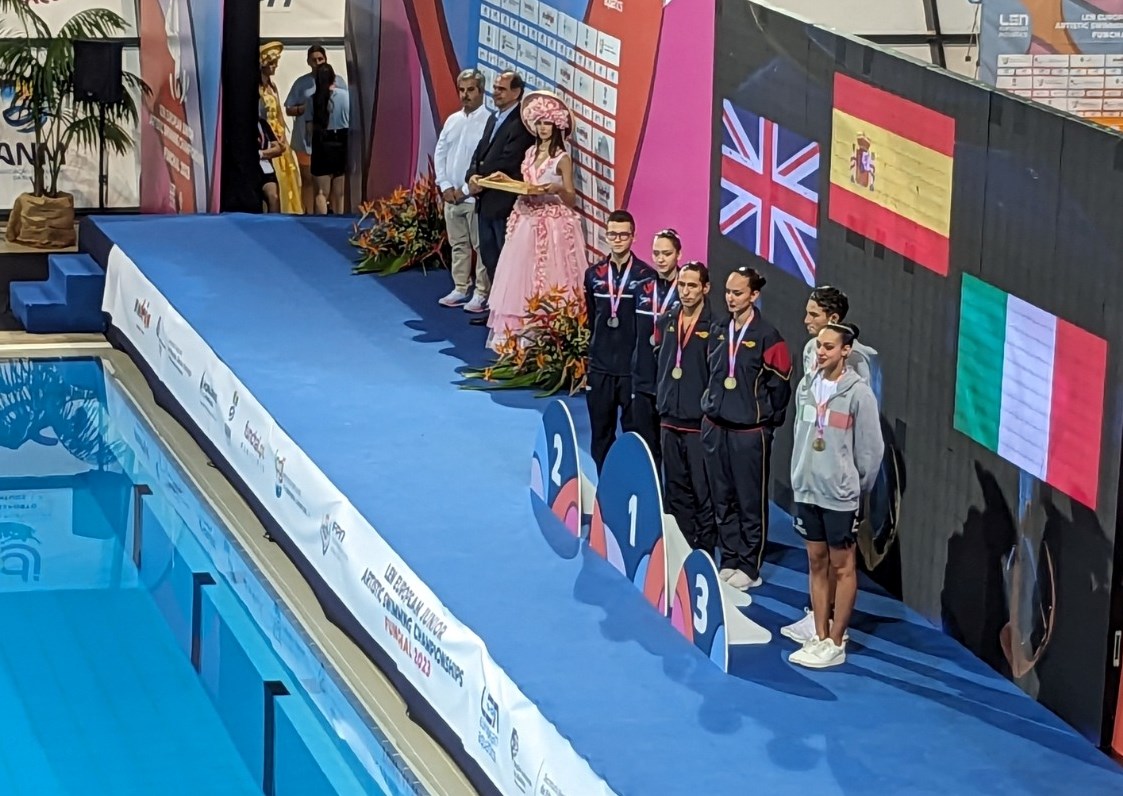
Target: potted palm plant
37	68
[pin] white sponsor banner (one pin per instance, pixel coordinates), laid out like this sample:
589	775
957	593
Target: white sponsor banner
447	662
302	19
181	518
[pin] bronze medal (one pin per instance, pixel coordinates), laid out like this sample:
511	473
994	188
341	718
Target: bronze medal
819	444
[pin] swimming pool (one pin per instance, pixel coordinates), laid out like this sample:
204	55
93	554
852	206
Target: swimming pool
140	651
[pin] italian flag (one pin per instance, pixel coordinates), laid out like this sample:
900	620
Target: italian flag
1030	387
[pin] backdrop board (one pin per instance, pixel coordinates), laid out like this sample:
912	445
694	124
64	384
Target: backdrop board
971	203
629	71
180	60
1066	55
302	19
80	177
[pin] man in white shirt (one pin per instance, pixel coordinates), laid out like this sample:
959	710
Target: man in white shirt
453	156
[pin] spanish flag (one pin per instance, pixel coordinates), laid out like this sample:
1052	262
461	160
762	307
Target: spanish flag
891	171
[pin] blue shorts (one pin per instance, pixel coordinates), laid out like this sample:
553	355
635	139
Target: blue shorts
839	529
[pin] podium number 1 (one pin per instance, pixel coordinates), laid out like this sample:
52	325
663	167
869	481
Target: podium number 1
633	504
555	471
703	591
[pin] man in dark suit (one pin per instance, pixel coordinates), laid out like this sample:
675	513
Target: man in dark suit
501	149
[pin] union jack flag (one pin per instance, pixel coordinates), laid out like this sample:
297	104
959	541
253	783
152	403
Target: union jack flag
769	191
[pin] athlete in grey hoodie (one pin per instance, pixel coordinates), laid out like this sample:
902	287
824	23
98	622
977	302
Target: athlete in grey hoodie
825	305
837	451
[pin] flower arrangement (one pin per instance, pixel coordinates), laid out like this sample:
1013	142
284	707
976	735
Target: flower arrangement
403	230
548	353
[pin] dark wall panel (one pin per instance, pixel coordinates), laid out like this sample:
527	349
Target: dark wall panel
1035	205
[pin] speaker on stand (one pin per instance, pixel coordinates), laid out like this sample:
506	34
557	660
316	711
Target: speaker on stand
98	78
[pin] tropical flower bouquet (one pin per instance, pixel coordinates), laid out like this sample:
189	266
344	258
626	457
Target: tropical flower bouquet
403	230
548	353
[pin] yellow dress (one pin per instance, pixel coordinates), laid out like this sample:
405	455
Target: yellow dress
288	171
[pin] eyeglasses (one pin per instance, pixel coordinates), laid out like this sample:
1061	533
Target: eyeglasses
618	235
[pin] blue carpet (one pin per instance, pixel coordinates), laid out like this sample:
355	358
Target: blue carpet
105	702
362	374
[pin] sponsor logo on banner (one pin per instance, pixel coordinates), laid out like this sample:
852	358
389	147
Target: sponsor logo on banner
253	444
231	411
522	780
546	786
143	315
285	485
208	396
330	529
488	736
170	349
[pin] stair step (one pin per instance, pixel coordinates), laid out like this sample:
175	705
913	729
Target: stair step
42	307
31	294
75	265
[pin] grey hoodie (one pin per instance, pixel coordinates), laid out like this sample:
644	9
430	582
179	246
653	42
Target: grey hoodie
860	357
836	477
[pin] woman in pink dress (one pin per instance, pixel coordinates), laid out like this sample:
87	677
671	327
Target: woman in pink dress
545	246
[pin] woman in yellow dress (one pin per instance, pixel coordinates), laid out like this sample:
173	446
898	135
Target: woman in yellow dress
285	165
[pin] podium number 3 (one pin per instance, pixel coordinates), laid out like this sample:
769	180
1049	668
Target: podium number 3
702	589
555	471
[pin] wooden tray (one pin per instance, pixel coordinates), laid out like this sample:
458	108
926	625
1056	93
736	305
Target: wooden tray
510	186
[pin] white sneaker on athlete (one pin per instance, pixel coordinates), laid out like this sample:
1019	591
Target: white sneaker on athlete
453	299
742	582
819	653
477	305
801	631
726	574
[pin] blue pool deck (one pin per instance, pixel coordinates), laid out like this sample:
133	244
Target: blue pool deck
363	374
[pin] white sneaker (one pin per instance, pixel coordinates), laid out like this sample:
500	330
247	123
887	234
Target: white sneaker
453	299
801	631
726	574
819	653
742	582
477	305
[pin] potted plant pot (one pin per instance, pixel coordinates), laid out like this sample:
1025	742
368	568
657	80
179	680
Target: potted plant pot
43	222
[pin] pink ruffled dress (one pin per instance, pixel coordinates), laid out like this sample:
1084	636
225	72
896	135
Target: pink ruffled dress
545	248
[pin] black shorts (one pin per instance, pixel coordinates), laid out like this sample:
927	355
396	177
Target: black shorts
839	529
329	153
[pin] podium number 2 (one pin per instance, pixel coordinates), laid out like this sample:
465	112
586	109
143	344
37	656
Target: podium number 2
633	504
702	588
555	471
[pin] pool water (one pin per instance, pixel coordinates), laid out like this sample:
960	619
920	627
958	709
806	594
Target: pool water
140	653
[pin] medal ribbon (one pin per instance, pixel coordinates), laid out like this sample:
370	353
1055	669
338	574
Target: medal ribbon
660	309
616	291
733	346
684	335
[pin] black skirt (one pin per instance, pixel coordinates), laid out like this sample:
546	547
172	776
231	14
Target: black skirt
329	153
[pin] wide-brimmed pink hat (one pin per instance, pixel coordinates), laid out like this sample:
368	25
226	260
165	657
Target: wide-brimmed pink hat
546	105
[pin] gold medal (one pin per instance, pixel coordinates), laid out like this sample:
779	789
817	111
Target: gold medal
819	444
676	373
730	383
